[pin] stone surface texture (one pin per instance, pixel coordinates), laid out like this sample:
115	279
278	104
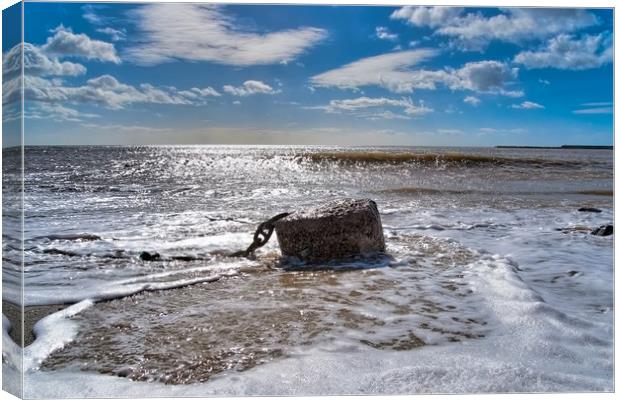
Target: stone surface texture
332	231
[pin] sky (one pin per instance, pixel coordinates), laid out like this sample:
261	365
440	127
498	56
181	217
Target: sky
347	75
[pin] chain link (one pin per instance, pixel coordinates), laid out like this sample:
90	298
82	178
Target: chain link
261	236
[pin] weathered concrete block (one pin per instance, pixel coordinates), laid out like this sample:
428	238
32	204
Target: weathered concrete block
334	230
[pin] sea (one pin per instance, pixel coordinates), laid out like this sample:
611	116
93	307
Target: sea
491	281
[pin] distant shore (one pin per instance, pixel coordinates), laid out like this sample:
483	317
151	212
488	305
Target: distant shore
566	146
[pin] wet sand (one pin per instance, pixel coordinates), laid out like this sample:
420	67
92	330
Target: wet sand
32	315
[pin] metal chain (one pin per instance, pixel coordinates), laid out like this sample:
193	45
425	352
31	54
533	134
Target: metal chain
261	236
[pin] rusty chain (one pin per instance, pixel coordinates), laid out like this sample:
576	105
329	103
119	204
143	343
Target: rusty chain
261	236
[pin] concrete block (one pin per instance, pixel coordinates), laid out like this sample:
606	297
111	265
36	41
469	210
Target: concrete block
331	231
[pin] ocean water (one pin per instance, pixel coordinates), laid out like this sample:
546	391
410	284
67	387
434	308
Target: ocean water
491	281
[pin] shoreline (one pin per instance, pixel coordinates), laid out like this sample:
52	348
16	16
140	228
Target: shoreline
32	315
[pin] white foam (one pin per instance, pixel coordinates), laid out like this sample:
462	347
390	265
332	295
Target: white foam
98	289
52	333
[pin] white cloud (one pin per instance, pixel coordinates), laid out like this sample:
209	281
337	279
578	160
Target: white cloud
56	112
90	15
197	94
566	52
513	25
544	82
528	105
198	32
511	93
249	88
236	102
393	71
44	111
37	63
386	70
595	110
384	33
471	100
483	76
11	90
107	91
115	34
65	43
431	17
360	106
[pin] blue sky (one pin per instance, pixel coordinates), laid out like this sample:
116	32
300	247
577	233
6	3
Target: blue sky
196	74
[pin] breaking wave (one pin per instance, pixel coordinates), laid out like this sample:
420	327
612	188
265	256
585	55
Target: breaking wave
456	159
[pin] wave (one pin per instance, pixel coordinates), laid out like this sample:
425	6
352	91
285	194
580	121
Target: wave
70	237
415	191
424	191
460	159
61	252
596	192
